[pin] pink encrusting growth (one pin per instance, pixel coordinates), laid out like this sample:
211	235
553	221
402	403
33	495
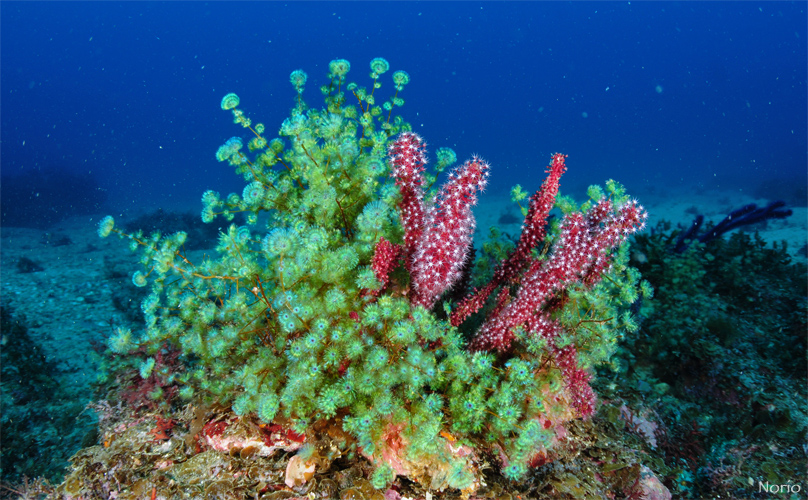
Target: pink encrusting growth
437	238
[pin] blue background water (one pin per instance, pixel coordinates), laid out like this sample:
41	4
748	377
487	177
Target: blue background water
658	95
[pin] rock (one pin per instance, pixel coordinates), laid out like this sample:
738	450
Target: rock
648	487
299	471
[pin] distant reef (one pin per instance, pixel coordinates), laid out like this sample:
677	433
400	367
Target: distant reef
41	198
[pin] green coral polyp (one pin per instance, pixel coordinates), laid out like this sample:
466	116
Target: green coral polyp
290	319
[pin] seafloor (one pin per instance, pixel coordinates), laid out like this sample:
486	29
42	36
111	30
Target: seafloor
68	289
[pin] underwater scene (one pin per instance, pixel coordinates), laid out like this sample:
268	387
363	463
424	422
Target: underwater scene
403	250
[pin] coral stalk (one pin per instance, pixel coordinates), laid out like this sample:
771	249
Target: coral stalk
580	255
437	238
534	229
385	258
408	158
447	234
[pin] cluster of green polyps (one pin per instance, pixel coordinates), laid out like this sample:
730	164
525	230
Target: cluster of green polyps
289	322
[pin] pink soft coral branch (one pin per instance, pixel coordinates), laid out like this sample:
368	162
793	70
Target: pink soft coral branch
533	232
385	258
446	238
436	239
580	254
408	158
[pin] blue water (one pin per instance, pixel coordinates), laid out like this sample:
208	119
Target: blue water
655	94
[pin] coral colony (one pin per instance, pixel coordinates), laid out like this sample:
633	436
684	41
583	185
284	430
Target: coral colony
744	216
328	306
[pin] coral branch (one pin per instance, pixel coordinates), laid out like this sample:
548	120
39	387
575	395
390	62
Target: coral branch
436	240
533	232
384	260
408	158
744	216
580	255
447	234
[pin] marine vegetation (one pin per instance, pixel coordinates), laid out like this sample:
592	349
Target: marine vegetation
333	321
719	364
747	215
42	420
